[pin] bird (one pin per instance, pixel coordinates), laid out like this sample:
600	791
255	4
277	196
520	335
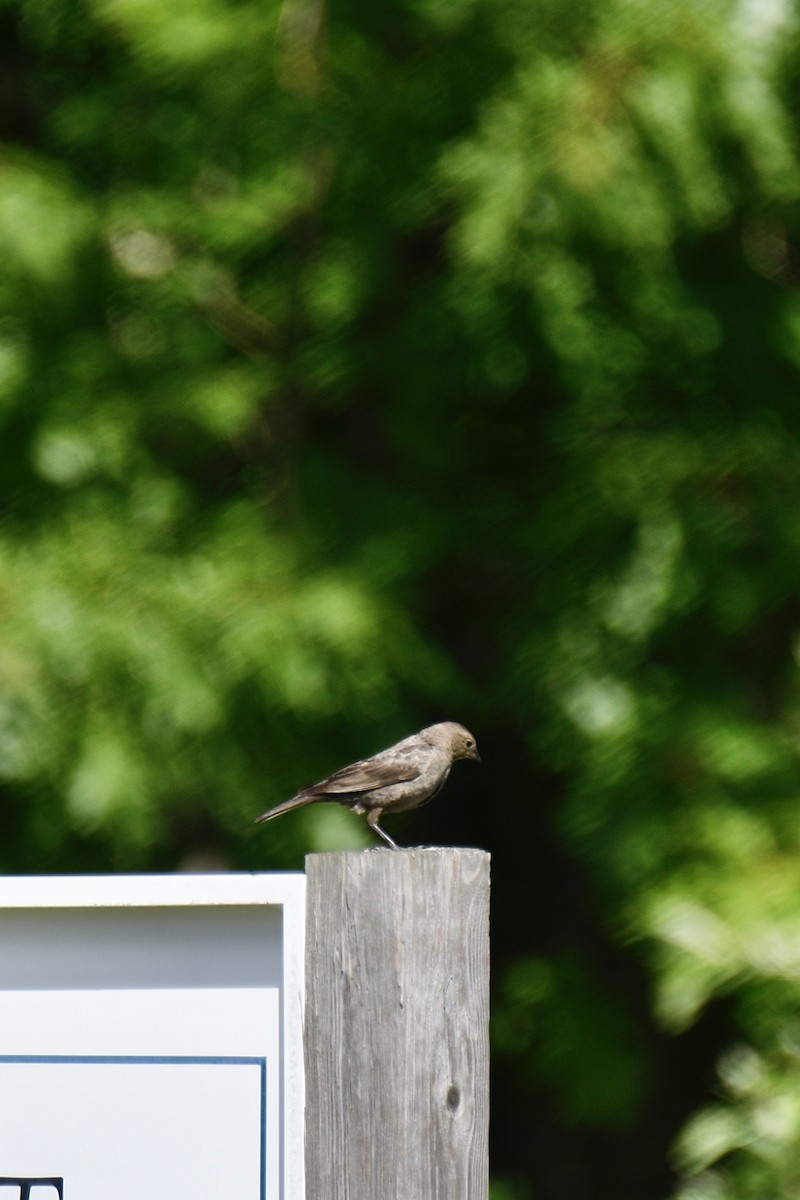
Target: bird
405	775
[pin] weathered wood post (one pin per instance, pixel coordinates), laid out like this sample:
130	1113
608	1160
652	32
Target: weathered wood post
397	1025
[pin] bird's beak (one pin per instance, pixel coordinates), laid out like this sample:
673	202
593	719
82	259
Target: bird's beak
473	754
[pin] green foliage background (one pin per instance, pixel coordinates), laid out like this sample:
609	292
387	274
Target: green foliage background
362	366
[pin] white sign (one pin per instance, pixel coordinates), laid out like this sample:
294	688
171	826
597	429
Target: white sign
151	1037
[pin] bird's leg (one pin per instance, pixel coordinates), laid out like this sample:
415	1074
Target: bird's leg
373	817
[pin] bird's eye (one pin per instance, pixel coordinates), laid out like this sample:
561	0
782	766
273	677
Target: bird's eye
470	743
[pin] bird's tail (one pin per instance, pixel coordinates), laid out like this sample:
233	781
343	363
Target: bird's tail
287	806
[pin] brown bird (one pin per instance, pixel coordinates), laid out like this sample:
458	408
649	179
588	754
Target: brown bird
403	776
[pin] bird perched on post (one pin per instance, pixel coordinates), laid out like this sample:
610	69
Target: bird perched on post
403	776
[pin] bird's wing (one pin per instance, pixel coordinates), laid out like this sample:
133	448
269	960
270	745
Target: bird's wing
363	776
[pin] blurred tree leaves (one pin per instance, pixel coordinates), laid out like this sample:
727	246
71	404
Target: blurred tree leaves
362	366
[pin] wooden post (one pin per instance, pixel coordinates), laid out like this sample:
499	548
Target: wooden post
397	1025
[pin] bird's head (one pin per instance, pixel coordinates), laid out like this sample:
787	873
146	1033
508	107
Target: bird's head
458	740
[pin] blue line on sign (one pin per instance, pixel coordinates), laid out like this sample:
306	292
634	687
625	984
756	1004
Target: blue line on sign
263	1129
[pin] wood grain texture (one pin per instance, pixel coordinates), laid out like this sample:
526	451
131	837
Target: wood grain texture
397	1025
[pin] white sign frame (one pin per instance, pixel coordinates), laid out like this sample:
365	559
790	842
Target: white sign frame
38	909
